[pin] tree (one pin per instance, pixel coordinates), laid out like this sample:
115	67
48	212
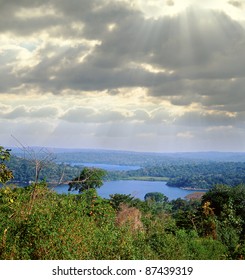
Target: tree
117	199
5	173
88	178
157	202
228	213
40	158
156	197
218	197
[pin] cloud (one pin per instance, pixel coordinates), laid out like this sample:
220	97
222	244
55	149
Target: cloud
237	4
80	114
190	48
170	3
24	112
89	115
185	135
18	112
113	65
206	119
44	112
140	115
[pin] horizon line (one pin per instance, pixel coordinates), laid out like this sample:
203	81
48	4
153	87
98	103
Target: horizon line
129	151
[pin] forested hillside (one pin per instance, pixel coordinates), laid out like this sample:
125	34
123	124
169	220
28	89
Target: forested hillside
24	171
183	173
202	175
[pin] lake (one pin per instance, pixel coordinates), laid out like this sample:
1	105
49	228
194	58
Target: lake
136	188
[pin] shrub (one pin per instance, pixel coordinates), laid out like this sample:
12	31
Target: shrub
129	216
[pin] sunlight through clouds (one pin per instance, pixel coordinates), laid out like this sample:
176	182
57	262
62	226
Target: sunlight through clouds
160	8
157	75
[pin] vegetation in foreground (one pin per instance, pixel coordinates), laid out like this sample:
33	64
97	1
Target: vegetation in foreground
37	223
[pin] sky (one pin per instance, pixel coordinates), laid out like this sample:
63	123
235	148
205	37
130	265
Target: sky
157	75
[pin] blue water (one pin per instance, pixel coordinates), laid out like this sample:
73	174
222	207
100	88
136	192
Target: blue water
138	189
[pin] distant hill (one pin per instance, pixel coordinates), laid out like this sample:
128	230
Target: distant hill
130	157
201	170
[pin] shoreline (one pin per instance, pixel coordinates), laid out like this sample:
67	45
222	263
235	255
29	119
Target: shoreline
192	189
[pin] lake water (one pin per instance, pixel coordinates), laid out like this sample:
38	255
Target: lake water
136	188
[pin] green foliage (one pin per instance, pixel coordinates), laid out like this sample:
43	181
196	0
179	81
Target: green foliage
117	199
194	174
228	211
84	226
183	245
88	178
37	223
218	197
156	197
24	171
228	203
157	202
186	213
5	173
182	171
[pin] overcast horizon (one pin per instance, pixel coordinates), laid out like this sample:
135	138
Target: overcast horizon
133	75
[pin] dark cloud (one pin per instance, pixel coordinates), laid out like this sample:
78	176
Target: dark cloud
206	119
198	48
184	42
11	22
194	58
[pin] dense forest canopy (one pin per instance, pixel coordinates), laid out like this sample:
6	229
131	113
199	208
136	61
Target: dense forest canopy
202	175
24	171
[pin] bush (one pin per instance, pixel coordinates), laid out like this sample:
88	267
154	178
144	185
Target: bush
48	226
